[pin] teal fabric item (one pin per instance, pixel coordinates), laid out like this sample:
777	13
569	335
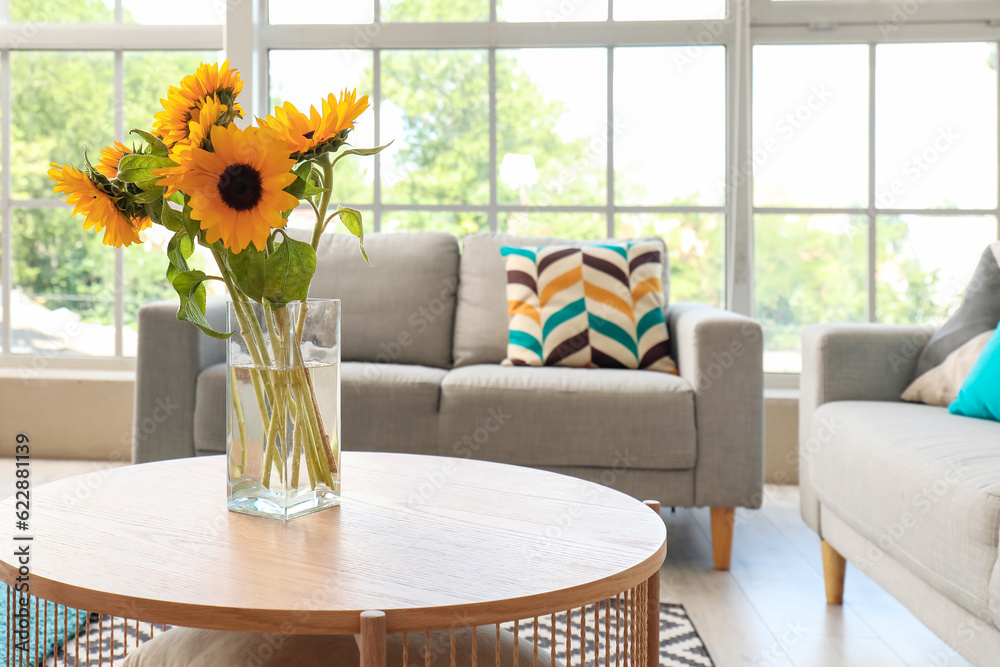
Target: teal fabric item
49	629
979	396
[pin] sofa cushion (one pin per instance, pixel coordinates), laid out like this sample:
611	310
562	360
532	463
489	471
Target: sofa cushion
918	482
481	313
368	393
980	393
555	416
979	312
389	407
402	308
210	411
594	307
939	386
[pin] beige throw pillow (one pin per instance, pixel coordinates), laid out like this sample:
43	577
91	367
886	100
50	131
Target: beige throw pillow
939	386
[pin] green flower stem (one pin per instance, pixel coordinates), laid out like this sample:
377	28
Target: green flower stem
324	200
233	386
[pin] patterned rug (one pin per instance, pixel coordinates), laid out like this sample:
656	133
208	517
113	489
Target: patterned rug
680	645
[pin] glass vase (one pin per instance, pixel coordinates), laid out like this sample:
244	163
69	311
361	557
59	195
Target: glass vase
283	407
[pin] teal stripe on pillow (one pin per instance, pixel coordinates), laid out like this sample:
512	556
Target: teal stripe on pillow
523	252
574	309
526	341
648	321
979	396
614	332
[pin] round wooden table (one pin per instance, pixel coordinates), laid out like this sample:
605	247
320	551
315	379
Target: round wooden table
419	543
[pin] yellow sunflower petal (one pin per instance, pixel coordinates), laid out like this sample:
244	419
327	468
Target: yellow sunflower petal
99	210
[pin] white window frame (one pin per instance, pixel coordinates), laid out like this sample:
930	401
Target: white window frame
116	38
246	37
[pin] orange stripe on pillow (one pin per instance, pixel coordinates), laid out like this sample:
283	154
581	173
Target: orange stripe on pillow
608	298
645	287
523	308
557	285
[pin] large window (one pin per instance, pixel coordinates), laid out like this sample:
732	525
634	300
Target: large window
804	161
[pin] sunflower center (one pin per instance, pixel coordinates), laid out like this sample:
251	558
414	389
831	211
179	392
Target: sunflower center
309	134
240	187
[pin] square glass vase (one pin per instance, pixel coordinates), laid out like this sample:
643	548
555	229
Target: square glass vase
283	408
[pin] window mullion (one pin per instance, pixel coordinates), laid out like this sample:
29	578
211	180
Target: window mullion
610	147
119	282
492	215
872	213
377	103
739	179
6	259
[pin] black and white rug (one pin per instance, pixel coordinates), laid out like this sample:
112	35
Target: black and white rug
680	644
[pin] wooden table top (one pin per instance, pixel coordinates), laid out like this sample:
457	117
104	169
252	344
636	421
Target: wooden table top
433	542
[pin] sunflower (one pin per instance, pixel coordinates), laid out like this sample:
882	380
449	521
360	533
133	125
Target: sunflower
237	191
182	103
316	133
300	132
345	111
110	157
99	208
202	120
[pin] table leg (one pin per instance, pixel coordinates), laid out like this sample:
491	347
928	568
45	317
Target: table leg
373	639
653	608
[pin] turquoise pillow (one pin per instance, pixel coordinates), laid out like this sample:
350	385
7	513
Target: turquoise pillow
979	396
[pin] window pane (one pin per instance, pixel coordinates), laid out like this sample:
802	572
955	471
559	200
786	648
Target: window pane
458	223
304	78
936	126
810	126
61	103
436	108
33	11
920	279
552	11
426	11
63	286
148	76
175	12
564	225
675	10
696	244
668	152
552	126
321	11
809	269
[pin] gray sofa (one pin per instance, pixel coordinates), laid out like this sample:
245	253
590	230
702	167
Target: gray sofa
906	492
423	334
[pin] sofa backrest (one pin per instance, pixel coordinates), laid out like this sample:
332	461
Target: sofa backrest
481	314
402	308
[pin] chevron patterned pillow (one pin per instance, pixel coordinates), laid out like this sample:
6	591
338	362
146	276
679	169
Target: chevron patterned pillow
597	306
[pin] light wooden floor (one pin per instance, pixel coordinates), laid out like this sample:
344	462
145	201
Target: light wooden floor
768	611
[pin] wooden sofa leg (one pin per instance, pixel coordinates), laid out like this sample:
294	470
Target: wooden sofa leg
722	535
834	566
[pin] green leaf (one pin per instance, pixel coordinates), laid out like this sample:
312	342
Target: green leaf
248	270
191	290
301	188
177	198
153	212
362	151
193	226
149	196
179	249
288	271
156	145
352	220
171	218
136	168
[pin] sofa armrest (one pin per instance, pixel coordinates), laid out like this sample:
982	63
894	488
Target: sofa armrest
849	362
722	355
171	354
